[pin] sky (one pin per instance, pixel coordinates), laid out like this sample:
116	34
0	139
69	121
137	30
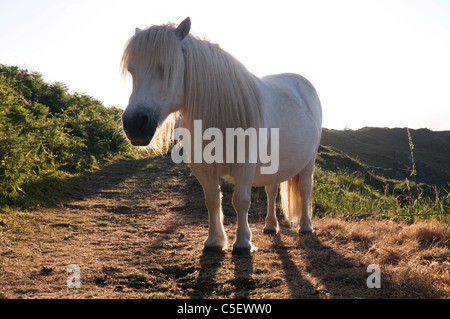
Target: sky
383	63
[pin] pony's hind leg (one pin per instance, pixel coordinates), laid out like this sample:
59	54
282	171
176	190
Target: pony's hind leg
271	226
305	186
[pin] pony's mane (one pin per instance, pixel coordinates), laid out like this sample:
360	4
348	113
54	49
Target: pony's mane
218	89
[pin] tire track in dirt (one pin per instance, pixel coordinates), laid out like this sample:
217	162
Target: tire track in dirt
136	229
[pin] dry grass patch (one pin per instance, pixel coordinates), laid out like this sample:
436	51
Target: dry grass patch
135	236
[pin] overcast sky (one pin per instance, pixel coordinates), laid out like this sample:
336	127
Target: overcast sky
374	63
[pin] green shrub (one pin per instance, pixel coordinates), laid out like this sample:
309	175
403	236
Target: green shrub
45	130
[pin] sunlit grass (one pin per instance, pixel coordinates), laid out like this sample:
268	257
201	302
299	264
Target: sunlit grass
343	194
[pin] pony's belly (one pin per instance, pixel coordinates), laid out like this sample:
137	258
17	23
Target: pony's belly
287	170
283	174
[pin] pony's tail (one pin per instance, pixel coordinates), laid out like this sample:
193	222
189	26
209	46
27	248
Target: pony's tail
291	202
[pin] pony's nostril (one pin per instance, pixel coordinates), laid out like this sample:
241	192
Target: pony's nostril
142	121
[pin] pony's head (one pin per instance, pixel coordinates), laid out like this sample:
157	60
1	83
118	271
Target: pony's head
154	58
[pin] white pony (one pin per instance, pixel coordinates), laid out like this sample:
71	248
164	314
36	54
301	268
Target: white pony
174	72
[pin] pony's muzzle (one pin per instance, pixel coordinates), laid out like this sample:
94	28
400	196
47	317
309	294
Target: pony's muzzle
140	127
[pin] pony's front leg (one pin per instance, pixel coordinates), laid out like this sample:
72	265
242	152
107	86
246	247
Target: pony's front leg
241	203
217	238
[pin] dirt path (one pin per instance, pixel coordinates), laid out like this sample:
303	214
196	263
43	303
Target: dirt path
136	227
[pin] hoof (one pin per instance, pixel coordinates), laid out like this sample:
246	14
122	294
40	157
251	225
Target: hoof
305	232
243	251
213	250
269	231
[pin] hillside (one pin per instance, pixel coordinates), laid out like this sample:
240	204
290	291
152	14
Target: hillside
387	150
48	135
73	192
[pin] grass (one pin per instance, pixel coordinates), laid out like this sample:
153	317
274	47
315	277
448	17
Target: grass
157	250
14	220
345	187
343	194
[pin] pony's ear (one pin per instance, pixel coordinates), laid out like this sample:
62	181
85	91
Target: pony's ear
183	28
137	31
